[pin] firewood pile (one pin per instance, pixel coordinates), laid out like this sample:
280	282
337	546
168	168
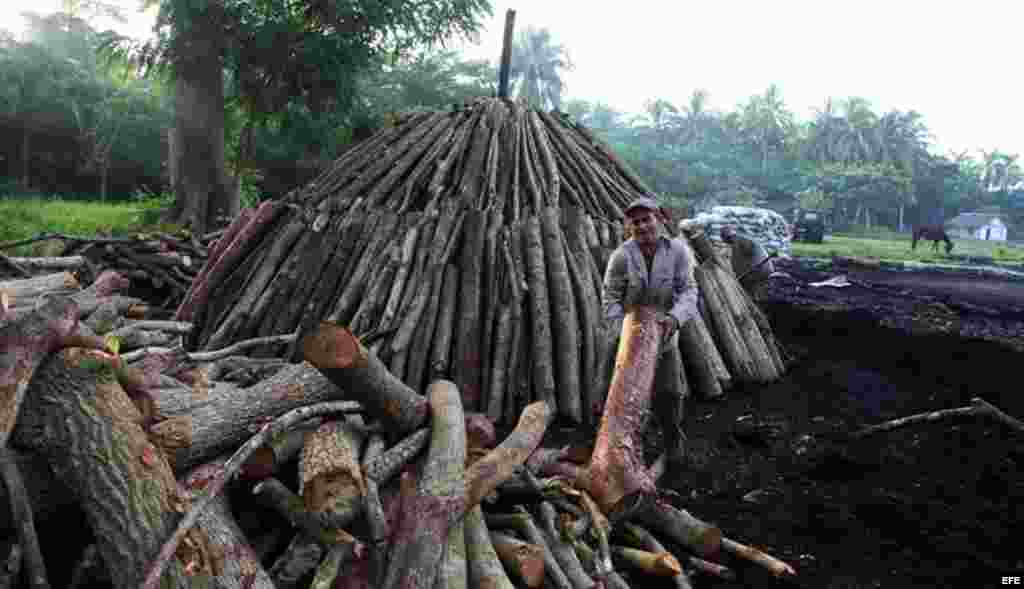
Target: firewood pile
443	278
470	246
160	262
392	488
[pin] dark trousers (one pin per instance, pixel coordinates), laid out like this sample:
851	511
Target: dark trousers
670	392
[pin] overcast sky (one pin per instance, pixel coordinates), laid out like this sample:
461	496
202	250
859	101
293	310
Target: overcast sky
952	61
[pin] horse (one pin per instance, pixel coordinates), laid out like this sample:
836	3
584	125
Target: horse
934	233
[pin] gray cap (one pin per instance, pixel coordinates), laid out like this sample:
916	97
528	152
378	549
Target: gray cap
643	203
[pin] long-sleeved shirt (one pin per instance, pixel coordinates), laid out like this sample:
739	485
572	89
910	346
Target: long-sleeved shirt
666	286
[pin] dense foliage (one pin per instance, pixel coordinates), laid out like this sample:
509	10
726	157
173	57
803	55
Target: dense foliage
72	119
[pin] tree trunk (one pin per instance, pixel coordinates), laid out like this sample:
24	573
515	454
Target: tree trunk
202	195
26	148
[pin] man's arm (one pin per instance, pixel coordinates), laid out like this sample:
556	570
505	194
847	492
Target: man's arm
616	276
684	292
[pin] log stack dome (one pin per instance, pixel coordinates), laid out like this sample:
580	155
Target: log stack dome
466	245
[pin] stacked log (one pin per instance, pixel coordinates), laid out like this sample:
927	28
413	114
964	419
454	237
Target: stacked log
467	245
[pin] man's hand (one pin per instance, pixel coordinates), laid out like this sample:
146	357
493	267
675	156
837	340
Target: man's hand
668	324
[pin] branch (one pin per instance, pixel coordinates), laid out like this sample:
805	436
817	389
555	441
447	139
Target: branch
216	354
978	406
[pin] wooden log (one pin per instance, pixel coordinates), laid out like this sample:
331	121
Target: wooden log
406	252
261	286
657	564
222	314
522	522
562	550
298	560
50	264
240	566
386	161
727	336
24	290
733	296
617	474
765	327
401	342
466	364
697	352
423	138
680	527
775	566
644	539
420	175
366	317
588	308
294	300
268	460
500	464
493	284
248	238
340	356
564	319
419	347
419	541
540	313
200	424
717	360
499	366
441	346
30	340
369	260
97	419
330	476
382	468
453	572
524	561
485	566
448	166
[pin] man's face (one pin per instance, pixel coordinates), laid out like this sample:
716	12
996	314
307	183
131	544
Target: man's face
642	225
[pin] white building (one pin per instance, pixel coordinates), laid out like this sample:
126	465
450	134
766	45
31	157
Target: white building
978	226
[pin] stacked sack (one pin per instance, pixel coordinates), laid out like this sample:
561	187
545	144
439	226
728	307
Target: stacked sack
762	225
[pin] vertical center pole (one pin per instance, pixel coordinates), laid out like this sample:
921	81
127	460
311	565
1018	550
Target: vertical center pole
506	53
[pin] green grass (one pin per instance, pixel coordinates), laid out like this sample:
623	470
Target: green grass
897	248
24	217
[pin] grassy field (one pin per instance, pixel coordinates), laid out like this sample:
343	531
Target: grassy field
897	248
22	218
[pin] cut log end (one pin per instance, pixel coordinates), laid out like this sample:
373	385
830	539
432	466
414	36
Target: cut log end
332	346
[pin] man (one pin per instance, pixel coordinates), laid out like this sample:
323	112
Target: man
650	269
750	263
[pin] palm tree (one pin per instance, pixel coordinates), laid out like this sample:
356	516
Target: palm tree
536	68
767	122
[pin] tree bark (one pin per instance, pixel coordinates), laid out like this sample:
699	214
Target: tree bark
203	196
342	358
439	499
617	471
76	412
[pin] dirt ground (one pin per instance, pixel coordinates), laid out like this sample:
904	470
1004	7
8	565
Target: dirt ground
932	505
